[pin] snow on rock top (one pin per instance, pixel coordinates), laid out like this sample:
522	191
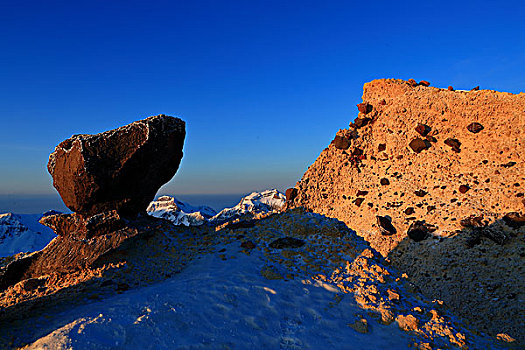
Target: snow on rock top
178	212
254	203
22	233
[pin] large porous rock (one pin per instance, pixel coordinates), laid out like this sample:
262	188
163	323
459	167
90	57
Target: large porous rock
120	169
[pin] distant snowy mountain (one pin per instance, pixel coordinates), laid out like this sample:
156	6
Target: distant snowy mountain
254	203
180	213
22	233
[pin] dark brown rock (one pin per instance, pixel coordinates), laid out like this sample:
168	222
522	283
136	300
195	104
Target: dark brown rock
68	252
424	83
472	221
423	129
418	231
120	169
385	226
450	88
364	107
454	144
385	182
241	224
361	193
248	245
514	219
417	145
287	242
475	128
290	194
359	201
381	147
431	138
475	88
341	142
83	228
409	211
360	122
464	188
412	82
357	151
421	193
508	165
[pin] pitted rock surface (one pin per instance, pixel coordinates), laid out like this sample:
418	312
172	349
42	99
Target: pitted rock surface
329	186
120	169
472	166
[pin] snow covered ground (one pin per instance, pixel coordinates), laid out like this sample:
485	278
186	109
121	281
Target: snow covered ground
294	280
221	304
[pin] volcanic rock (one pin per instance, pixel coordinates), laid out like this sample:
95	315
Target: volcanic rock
475	128
418	231
364	108
423	129
420	193
120	169
107	179
291	193
361	121
341	142
442	266
514	219
287	242
463	189
472	221
449	113
424	83
419	145
385	226
454	143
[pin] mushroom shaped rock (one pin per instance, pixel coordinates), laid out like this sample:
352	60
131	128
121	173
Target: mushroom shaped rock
119	169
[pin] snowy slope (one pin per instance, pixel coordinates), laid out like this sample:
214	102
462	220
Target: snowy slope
254	203
217	304
252	287
178	212
22	233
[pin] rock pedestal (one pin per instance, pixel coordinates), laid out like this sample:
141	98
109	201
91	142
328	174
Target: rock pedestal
107	180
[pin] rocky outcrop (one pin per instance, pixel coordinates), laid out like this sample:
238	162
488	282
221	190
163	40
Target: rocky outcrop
447	169
120	169
463	150
108	180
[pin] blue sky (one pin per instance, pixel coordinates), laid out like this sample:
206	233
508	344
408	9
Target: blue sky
262	85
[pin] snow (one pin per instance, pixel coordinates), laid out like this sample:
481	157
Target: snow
181	213
22	233
220	304
254	203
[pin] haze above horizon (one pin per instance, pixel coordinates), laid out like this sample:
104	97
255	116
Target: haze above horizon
262	86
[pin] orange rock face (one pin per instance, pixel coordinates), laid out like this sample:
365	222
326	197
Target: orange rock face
471	161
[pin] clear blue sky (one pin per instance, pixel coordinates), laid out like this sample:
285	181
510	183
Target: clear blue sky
262	85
